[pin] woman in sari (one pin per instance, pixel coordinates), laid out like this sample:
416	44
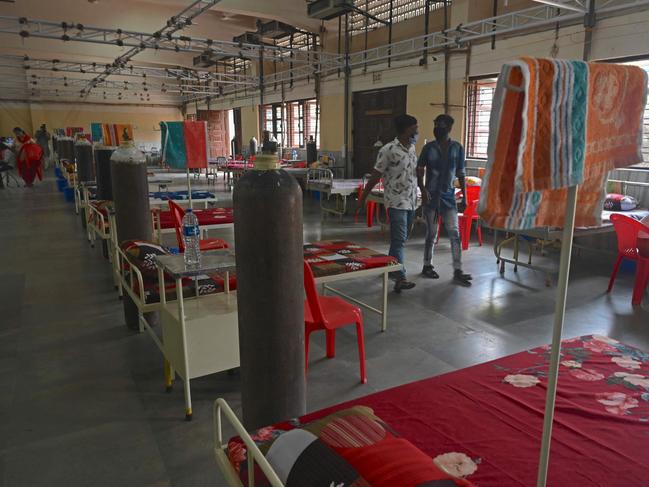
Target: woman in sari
29	158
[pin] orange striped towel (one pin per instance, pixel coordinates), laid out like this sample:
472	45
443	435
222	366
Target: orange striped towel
554	124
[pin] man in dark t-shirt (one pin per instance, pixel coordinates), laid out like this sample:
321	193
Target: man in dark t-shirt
440	162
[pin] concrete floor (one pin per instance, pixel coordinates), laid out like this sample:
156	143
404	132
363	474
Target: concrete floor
82	400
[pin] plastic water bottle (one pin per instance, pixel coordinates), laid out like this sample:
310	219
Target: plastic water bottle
191	239
294	154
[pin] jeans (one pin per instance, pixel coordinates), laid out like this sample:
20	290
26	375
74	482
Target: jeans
400	223
449	218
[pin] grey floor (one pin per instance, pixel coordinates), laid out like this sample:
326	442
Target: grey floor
81	397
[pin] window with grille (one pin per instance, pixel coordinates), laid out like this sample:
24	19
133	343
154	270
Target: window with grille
401	10
296	124
278	124
236	66
313	121
479	99
293	123
301	41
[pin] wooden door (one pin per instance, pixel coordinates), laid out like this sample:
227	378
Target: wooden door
374	113
236	114
217	131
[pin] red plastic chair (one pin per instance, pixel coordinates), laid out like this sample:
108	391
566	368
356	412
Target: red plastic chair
466	219
329	313
205	244
470	215
641	280
626	230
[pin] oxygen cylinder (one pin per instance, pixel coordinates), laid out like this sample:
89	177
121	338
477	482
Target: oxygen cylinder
85	161
252	146
311	151
66	149
132	213
102	166
85	169
270	293
104	180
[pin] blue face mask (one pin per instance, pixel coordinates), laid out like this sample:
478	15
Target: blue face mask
414	139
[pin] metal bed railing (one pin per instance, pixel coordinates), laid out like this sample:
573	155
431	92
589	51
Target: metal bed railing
255	456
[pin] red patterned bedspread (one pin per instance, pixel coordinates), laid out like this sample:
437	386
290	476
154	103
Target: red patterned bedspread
488	419
339	256
209	216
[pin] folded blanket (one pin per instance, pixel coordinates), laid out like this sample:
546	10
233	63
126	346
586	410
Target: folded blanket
554	124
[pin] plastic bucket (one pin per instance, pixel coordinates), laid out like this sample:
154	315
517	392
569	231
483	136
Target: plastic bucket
61	184
57	172
69	194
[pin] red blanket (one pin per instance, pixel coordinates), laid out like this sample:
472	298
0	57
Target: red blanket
210	216
493	413
490	416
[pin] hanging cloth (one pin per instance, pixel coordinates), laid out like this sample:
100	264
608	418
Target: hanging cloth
195	134
173	145
96	131
554	124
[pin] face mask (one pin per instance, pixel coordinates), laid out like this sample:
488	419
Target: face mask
440	132
414	139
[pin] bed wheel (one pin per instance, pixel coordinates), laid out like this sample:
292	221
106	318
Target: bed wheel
188	416
169	388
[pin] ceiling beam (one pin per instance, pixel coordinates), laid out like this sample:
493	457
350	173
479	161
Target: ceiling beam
174	24
172	73
71	32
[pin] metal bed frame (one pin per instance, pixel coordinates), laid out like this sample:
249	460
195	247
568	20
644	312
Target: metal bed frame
82	199
544	235
322	180
384	272
222	409
125	267
214	166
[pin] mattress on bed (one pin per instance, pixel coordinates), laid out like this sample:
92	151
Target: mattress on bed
486	421
327	183
207	217
142	254
348	448
181	195
238	166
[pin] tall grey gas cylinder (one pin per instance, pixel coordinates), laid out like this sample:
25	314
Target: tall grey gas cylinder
132	213
102	167
66	149
270	293
85	161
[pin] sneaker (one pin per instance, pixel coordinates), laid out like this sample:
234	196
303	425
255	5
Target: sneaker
461	278
429	272
403	284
